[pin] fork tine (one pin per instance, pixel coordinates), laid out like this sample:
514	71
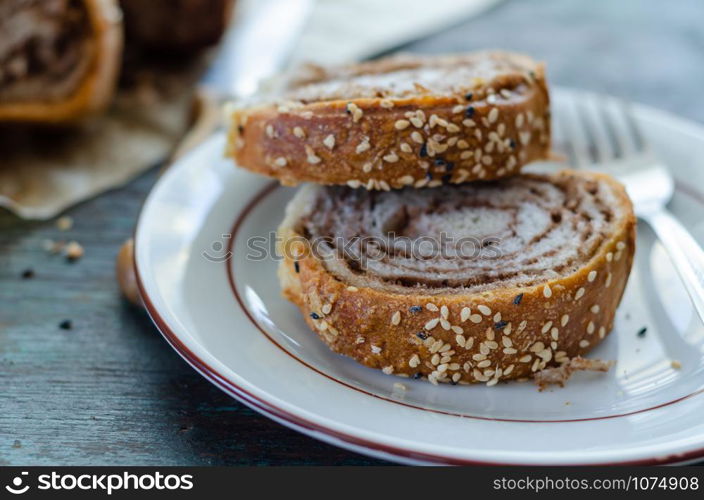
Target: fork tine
607	119
593	117
574	134
560	135
586	127
622	127
638	140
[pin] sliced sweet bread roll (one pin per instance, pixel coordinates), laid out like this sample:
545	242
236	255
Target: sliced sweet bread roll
59	59
401	121
181	25
474	283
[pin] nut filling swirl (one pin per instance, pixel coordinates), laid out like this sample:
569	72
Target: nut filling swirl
383	277
44	48
516	232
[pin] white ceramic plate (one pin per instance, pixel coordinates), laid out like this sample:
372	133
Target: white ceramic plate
223	312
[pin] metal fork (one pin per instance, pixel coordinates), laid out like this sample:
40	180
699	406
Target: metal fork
600	133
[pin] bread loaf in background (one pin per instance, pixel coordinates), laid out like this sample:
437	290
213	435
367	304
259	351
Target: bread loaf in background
59	59
181	25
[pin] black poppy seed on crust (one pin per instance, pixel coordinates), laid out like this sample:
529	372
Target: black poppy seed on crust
415	309
641	332
422	335
469	113
440	162
452	382
468	96
297	266
27	274
518	298
449	166
423	150
314	315
512	143
429	176
66	324
500	324
417	375
446	178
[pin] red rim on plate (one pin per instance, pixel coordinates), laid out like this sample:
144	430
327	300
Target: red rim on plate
266	407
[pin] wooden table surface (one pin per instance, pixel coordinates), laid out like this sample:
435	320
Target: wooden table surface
110	391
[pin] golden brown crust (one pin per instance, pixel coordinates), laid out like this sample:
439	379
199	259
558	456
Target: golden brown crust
485	337
96	88
424	137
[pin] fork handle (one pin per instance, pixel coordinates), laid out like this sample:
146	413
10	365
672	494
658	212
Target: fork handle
685	253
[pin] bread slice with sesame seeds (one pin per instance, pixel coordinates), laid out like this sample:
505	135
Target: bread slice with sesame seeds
401	121
481	282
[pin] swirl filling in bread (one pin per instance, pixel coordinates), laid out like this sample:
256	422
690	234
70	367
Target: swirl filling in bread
465	239
44	50
59	59
397	122
473	283
411	76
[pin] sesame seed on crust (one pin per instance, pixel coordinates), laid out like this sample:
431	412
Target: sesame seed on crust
352	131
481	337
